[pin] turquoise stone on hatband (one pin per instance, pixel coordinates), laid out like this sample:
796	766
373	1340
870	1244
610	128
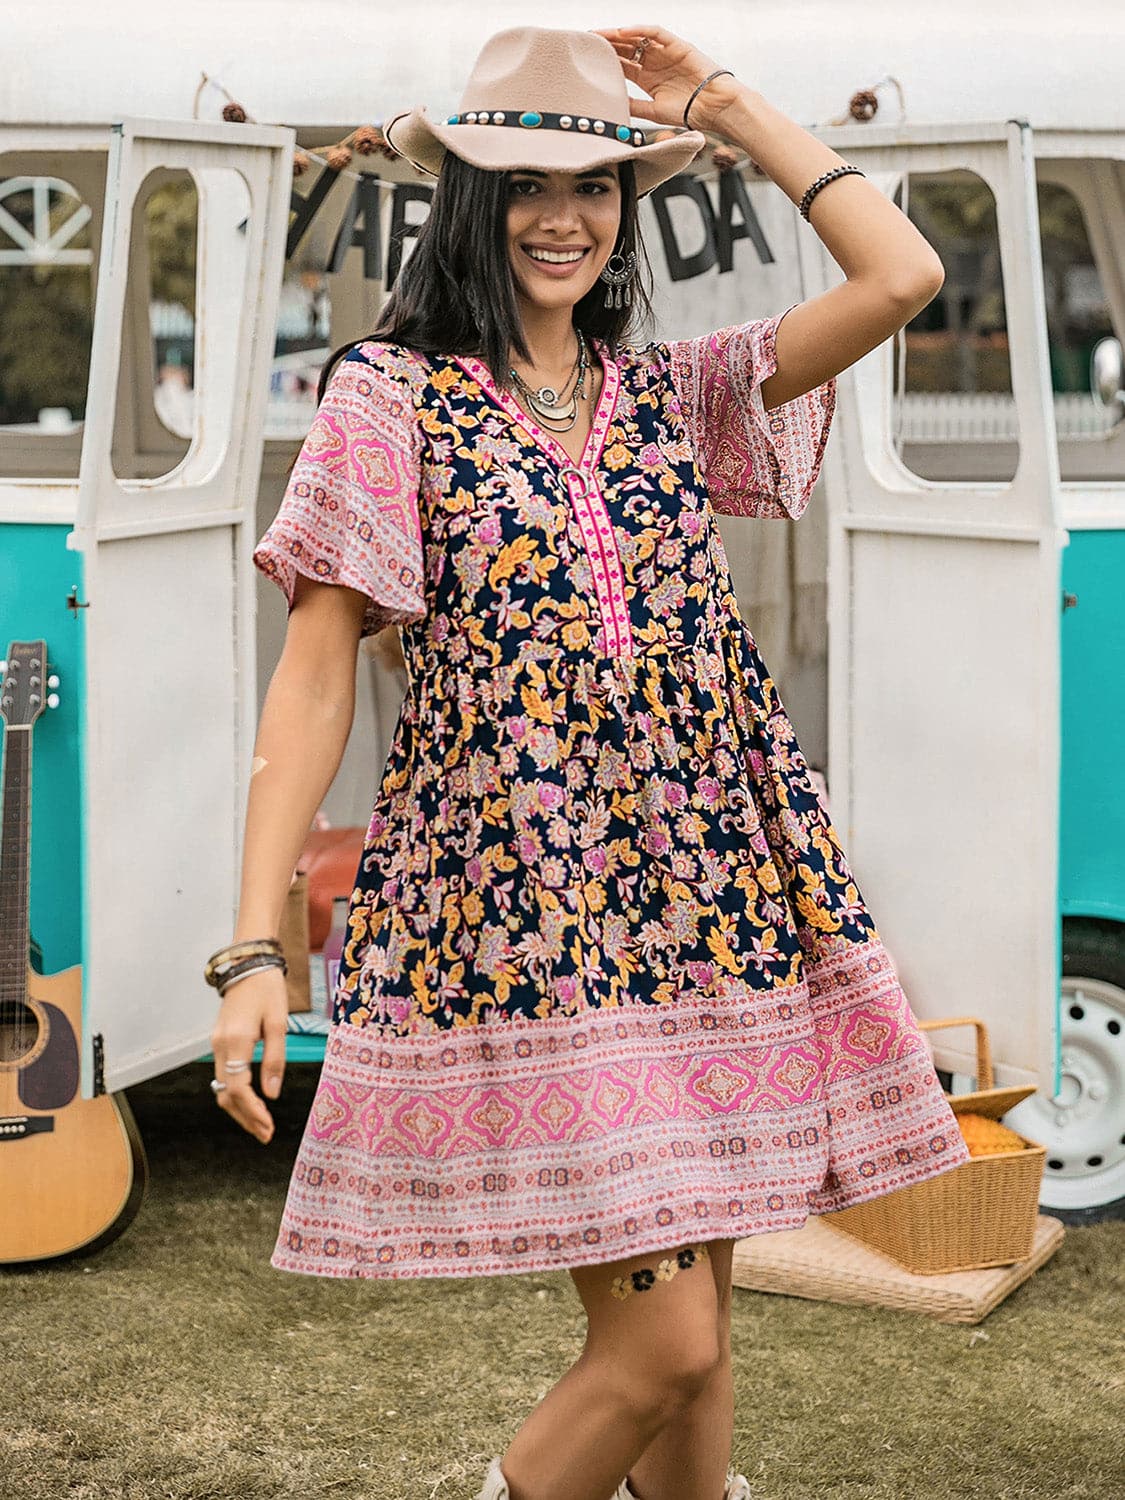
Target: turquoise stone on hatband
534	119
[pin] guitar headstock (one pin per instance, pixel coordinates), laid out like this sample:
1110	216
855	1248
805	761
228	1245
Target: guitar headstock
24	691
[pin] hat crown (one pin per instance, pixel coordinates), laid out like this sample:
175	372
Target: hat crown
546	68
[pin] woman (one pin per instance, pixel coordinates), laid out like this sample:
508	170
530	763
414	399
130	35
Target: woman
611	998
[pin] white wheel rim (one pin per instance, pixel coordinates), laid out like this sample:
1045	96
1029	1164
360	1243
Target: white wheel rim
1083	1126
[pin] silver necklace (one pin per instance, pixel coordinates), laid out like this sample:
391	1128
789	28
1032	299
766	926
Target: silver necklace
547	403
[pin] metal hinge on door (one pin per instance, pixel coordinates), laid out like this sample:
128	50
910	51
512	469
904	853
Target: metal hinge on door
99	1063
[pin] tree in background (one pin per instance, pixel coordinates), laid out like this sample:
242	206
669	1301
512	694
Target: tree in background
46	310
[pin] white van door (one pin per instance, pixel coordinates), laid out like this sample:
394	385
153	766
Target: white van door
169	694
944	624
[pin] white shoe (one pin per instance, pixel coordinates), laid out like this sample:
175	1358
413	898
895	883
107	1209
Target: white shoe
738	1488
495	1485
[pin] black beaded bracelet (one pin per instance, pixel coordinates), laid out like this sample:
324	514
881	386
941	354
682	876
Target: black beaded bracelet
814	188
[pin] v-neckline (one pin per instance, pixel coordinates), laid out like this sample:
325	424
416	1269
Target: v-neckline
599	426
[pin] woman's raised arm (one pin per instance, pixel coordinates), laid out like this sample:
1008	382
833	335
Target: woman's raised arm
892	270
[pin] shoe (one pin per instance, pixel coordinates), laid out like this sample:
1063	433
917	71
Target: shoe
495	1485
738	1488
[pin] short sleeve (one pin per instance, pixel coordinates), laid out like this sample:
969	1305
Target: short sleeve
755	462
350	512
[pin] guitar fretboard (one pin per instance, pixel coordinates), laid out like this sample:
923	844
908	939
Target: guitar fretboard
15	851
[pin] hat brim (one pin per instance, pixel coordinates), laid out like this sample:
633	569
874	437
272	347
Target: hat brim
497	148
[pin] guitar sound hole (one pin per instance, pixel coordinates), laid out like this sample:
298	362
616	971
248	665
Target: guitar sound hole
19	1030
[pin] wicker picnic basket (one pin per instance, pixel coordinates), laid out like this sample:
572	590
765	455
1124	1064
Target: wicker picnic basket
982	1213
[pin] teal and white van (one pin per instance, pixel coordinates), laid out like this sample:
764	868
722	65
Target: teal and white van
946	623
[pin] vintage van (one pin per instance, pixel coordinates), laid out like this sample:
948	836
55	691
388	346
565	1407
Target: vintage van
945	624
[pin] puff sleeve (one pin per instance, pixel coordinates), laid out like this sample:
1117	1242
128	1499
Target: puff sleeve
350	512
755	462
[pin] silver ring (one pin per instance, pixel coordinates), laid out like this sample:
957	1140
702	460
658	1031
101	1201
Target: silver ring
217	1085
640	49
236	1067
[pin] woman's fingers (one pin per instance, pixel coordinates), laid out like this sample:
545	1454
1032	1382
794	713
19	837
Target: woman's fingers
243	1104
238	1099
272	1072
256	1008
634	33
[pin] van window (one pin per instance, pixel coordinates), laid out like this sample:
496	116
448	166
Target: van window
953	414
1078	314
46	321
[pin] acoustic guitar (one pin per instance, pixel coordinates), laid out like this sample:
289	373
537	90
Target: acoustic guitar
73	1171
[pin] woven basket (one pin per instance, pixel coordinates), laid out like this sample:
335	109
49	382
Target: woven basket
982	1213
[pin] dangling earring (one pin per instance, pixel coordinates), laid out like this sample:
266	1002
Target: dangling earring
618	277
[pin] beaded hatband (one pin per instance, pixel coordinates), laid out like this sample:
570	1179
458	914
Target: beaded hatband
536	119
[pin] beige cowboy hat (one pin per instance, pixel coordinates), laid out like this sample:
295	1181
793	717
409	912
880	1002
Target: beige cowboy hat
546	98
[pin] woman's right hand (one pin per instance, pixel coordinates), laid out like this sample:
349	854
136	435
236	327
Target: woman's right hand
255	1009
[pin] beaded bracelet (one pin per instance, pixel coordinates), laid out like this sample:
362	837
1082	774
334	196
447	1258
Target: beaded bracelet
814	188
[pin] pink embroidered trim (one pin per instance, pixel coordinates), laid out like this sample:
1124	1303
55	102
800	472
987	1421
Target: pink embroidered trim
569	1140
598	535
350	512
616	636
755	462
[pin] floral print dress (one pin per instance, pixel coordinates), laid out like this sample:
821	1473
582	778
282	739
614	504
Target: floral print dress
610	986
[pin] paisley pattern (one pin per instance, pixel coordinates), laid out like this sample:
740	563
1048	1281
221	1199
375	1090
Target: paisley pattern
610	985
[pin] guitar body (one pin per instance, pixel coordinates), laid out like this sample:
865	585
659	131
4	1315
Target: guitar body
73	1171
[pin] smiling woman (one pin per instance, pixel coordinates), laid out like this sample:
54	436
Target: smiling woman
610	997
483	293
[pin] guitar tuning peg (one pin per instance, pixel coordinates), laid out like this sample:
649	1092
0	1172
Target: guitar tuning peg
53	680
52	700
3	666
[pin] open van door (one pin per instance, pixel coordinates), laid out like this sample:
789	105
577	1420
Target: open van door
944	623
168	600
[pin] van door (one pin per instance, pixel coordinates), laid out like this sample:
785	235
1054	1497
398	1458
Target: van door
169	700
944	610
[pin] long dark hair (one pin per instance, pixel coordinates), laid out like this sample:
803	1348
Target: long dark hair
456	293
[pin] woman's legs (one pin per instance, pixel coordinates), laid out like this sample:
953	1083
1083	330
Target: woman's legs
689	1456
651	1357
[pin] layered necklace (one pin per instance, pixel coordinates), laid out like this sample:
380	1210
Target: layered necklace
551	406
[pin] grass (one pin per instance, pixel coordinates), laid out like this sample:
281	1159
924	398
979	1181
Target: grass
177	1364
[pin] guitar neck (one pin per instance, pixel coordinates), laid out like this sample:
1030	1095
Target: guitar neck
15	856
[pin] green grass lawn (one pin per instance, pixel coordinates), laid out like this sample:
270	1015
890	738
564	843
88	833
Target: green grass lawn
177	1364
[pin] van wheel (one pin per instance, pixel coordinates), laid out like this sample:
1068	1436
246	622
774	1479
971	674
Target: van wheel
1083	1127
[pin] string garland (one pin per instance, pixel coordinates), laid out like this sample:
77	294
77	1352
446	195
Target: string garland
367	140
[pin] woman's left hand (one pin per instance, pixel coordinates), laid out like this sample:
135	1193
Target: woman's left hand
669	71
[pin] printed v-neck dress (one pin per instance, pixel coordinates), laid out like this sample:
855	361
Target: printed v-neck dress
610	986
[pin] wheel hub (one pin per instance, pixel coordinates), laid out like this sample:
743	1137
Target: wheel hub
1083	1125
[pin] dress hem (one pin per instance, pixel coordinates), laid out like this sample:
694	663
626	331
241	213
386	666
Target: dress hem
644	1244
571	1141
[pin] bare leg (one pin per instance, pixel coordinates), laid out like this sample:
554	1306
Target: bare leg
649	1354
689	1456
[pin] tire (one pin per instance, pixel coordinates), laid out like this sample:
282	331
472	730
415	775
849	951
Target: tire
1084	1127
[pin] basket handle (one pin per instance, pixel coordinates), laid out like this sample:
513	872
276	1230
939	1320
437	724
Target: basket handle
984	1047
